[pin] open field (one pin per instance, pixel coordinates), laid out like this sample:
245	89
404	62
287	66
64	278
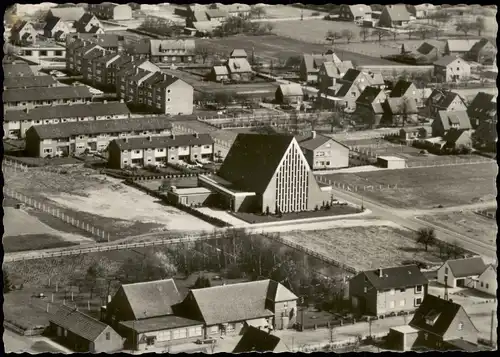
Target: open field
428	187
286	11
280	48
106	202
467	223
385	246
33	242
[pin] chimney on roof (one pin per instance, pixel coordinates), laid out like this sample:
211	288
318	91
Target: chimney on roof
173	136
196	135
380	275
105	101
122	101
126	139
27	110
313	133
150	138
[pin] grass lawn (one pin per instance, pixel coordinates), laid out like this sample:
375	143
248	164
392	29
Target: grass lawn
365	247
38	161
33	242
313	317
42	346
428	187
467	223
335	210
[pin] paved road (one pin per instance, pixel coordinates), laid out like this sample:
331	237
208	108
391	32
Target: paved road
403	218
15	343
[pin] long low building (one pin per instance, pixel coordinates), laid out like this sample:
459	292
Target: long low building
75	138
16	122
34	97
29	82
160	149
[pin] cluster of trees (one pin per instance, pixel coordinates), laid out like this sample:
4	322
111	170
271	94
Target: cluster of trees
161	27
479	25
238	25
427	238
346	34
445	150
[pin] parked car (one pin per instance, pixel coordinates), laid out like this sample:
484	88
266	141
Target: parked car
206	341
57	73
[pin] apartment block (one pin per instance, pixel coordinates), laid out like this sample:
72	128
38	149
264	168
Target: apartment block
159	150
77	137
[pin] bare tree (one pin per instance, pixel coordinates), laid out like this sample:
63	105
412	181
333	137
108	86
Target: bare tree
364	33
480	25
436	31
204	52
257	11
423	32
347	34
380	34
312	120
464	27
426	237
333	35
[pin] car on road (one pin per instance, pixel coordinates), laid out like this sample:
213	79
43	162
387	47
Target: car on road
57	73
206	341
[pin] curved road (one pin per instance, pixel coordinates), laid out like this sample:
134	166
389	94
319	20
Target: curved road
408	219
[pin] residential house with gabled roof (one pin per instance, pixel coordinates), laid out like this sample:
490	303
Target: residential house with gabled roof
399	110
455	139
239	69
218	74
81	332
394	16
447	120
486	135
363	79
216	15
460	272
428	52
330	72
438	324
87	23
22	33
407	89
69	138
289	94
56	28
17	122
160	150
66	14
484	52
444	100
355	13
172	51
347	94
369	107
451	69
324	153
388	290
311	63
487	281
458	47
482	108
227	309
257	340
274	157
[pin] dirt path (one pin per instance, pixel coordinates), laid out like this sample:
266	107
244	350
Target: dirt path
468	207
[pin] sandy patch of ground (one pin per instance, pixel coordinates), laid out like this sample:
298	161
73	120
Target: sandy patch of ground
17	222
223	215
341	223
123	202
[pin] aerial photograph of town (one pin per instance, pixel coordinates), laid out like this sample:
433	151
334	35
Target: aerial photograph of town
231	177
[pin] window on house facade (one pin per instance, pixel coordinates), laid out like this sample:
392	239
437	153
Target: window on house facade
402	302
392	292
418	288
391	305
460	326
487	286
446	270
137	151
108	336
418	301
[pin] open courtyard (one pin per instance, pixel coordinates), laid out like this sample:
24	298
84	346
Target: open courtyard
427	187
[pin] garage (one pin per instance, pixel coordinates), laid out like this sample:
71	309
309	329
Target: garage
461	283
402	338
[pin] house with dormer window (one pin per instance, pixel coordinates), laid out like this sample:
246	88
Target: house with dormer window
446	121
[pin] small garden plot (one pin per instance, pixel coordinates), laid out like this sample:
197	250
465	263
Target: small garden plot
467	223
427	187
384	246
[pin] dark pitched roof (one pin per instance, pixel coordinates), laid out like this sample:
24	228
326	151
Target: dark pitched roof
351	75
456	117
276	292
255	340
29	82
453	135
159	323
64	130
447	60
18	26
17	70
78	323
46	93
51	22
67	13
400	88
467	267
442	98
396	277
152	298
234	302
103	40
425	48
478	46
483	105
344	89
368	95
68	111
440	311
462	345
84	19
163	141
253	159
398	105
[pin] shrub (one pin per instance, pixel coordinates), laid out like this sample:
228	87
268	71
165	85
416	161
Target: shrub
315	13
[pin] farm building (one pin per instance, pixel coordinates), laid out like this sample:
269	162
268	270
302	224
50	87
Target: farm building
22	33
391	162
461	272
458	47
451	69
421	11
428	52
111	11
311	63
83	333
219	74
239	69
257	340
383	291
160	150
483	51
65	139
458	120
323	153
394	16
274	157
289	93
355	13
487	281
438	324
